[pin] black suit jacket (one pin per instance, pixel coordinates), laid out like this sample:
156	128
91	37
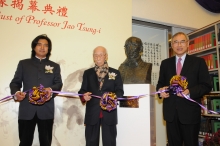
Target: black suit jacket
199	84
31	72
90	84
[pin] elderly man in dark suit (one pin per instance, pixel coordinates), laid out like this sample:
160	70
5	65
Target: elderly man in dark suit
97	81
183	116
33	72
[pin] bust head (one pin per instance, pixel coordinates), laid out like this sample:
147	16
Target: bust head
133	48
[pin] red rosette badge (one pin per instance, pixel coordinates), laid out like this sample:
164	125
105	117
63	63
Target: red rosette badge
108	101
38	95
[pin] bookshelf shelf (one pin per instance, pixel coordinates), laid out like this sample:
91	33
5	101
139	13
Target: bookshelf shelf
212	115
202	31
215	92
205	51
214	70
205	43
201	135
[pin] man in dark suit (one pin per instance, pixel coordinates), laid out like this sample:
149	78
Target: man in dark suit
33	72
97	81
183	116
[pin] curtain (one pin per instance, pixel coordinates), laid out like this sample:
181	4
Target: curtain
210	5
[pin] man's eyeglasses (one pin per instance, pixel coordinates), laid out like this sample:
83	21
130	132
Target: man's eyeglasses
182	43
98	55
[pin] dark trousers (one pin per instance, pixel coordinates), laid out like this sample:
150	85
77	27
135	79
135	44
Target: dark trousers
26	131
179	134
109	133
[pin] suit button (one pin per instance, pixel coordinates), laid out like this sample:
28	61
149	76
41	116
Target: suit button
39	78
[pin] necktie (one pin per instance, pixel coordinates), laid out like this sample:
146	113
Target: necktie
179	66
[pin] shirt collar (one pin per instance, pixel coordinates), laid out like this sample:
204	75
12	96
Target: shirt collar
182	57
39	58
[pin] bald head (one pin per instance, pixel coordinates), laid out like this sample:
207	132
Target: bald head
100	55
100	48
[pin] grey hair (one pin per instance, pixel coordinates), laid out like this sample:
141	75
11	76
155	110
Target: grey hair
180	33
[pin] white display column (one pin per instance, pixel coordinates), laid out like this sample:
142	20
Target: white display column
136	126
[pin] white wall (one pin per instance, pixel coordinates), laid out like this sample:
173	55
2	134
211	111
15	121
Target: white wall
186	13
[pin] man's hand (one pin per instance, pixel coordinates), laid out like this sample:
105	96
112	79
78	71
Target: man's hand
87	96
48	91
185	92
19	96
164	94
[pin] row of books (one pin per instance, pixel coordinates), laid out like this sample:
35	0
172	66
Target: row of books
211	60
200	141
214	78
209	126
202	42
211	103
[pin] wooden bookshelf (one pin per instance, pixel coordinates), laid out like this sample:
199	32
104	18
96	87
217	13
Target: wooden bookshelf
205	43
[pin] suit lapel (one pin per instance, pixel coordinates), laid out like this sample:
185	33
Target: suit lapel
186	65
105	79
173	65
94	76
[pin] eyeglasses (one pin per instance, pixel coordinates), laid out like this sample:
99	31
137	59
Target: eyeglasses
99	55
182	43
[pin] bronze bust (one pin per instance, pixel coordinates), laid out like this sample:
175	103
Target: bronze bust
134	70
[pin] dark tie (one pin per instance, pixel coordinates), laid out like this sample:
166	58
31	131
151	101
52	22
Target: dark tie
179	67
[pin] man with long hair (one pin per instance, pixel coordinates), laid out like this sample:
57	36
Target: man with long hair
32	72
